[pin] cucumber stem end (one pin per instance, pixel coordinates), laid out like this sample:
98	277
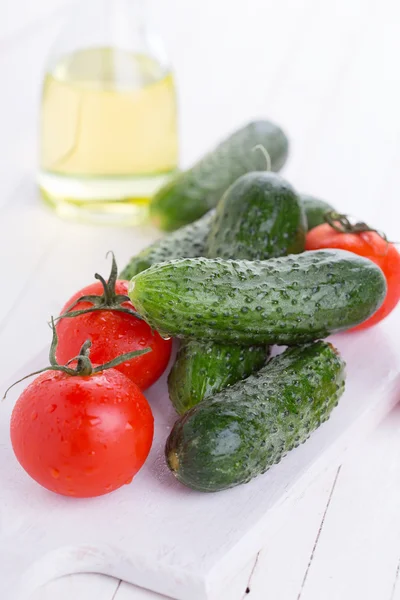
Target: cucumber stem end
173	461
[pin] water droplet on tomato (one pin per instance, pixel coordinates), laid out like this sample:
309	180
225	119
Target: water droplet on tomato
108	488
51	408
92	453
90	470
34	415
93	421
128	481
128	426
54	472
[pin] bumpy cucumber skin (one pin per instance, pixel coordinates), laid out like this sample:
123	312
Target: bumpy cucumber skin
241	432
186	242
288	300
202	369
194	192
190	241
260	216
315	210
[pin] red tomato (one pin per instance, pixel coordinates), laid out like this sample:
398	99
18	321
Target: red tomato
113	333
79	435
370	245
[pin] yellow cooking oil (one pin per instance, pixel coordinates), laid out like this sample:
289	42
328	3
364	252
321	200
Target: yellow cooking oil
109	136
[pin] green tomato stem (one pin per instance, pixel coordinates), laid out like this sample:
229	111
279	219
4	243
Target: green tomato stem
109	300
84	367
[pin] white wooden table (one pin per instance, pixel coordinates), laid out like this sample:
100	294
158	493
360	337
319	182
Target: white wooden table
328	72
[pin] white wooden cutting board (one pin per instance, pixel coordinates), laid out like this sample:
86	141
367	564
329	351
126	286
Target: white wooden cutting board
160	535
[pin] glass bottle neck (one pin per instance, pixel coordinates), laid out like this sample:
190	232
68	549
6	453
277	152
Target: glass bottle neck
116	24
122	19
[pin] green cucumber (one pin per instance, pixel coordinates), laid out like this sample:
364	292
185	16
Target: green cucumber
288	300
202	369
241	432
192	193
186	242
315	210
260	216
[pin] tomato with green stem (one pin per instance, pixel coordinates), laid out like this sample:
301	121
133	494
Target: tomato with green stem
361	239
103	313
82	431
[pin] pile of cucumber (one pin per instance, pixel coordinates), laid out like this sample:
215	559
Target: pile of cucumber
233	283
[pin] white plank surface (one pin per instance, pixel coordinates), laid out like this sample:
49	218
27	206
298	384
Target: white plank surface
363	508
328	72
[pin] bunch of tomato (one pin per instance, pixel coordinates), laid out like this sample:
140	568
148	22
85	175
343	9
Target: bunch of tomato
86	431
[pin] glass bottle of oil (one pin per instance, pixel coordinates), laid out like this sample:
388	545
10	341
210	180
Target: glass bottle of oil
108	123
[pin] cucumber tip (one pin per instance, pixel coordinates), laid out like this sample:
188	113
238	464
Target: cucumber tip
173	461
